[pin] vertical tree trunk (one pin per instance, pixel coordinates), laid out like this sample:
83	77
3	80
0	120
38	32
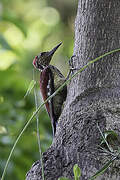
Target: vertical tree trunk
93	97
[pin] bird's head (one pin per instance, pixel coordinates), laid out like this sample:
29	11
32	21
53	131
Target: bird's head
44	58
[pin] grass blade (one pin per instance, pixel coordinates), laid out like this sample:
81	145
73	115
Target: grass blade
102	170
110	149
38	131
31	86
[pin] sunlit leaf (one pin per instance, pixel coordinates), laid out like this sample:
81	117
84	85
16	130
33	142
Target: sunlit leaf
31	86
3	130
50	16
77	172
12	17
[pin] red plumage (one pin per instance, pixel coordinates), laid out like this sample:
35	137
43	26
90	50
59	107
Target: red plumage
47	89
44	79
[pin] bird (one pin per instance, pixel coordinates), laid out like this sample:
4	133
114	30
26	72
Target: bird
50	80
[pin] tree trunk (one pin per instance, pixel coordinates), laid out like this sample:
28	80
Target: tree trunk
93	97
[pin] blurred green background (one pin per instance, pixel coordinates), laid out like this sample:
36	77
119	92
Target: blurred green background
28	27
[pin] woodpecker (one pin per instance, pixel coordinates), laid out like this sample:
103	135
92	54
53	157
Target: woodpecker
50	80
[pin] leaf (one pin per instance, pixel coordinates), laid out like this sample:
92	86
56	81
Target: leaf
110	133
3	130
102	170
77	172
63	178
31	86
4	43
10	16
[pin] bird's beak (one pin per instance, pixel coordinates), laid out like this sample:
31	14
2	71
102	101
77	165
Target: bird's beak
54	49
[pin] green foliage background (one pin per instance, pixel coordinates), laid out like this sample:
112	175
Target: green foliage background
28	27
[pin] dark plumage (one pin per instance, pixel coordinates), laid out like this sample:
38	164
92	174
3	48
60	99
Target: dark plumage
50	80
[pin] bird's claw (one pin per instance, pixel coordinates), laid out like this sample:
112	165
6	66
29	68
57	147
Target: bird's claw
71	67
71	61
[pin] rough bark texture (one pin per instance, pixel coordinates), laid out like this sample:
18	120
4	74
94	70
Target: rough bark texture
93	96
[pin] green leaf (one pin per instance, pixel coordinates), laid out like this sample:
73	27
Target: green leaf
110	133
77	172
31	86
63	178
10	16
102	170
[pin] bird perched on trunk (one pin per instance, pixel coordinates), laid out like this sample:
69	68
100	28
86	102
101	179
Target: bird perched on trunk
50	80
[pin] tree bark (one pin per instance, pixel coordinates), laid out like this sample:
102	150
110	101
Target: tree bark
93	97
